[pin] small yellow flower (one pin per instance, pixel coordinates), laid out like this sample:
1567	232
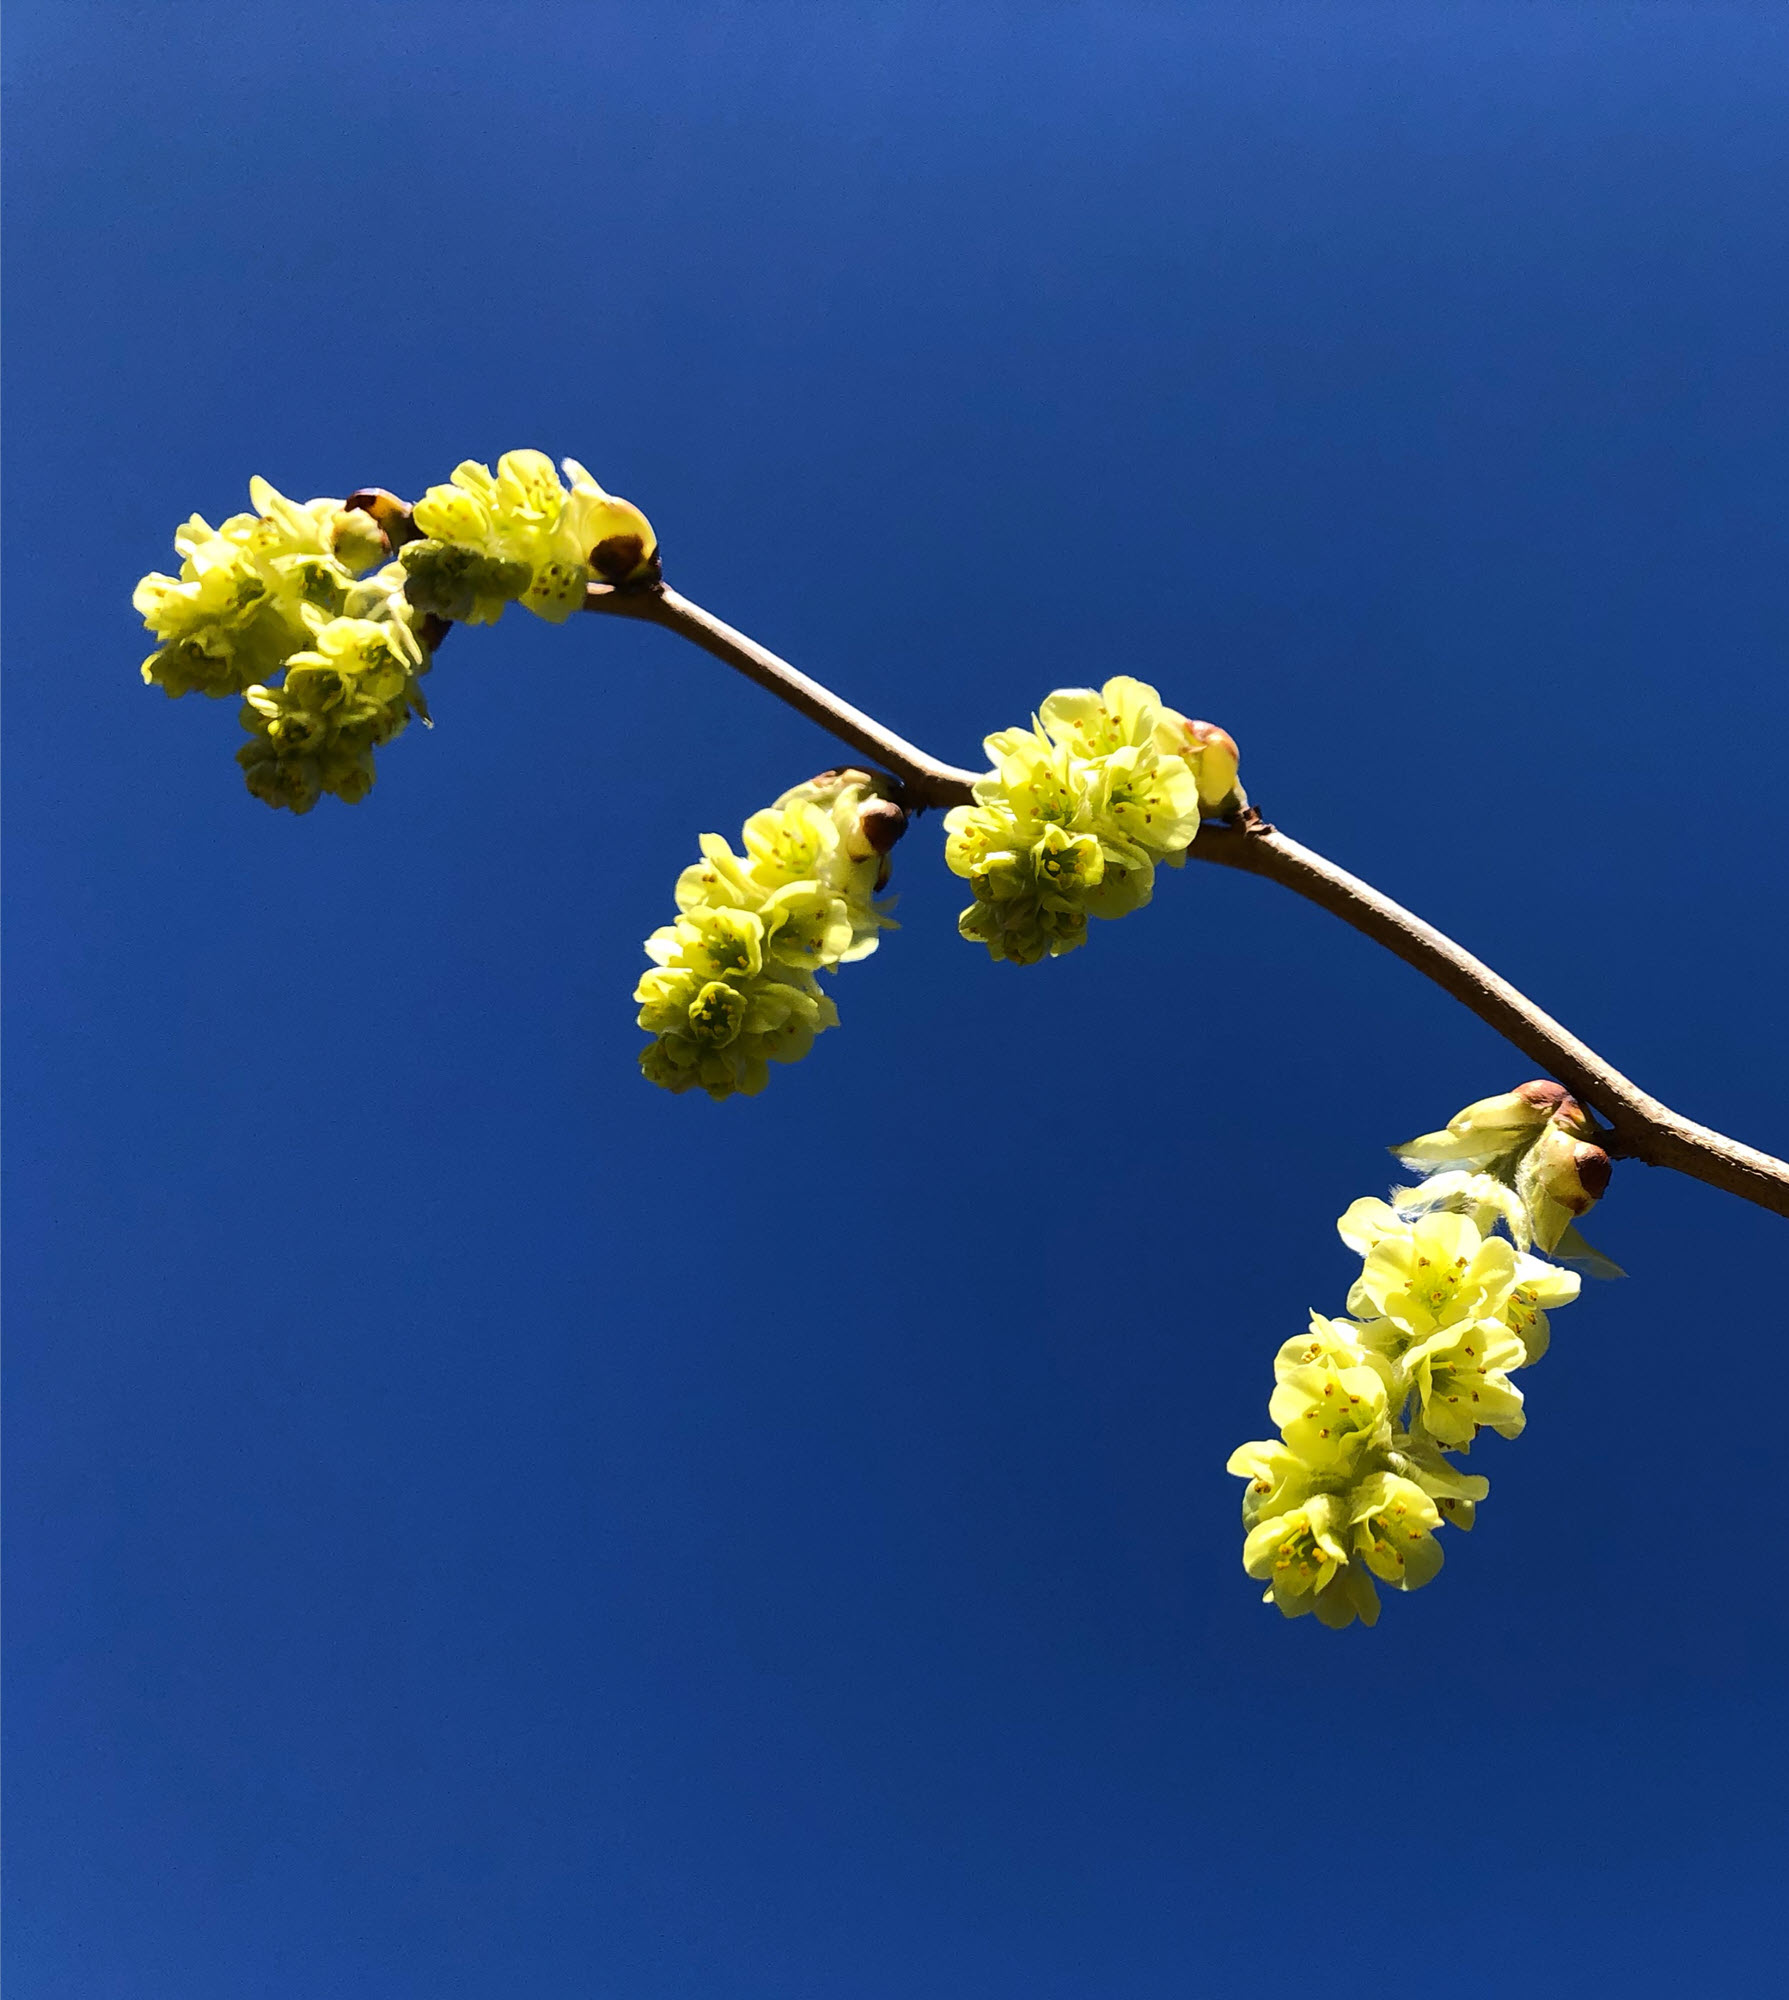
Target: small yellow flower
1333	1416
1394	1522
1461	1375
1539	1285
1303	1557
1434	1272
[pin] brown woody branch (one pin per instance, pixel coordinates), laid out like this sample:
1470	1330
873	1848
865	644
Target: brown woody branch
925	781
1640	1127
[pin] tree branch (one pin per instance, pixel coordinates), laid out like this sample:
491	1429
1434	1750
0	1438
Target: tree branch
1641	1128
925	781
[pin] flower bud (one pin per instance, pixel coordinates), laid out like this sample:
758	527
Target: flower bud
1560	1179
1561	1106
626	559
880	823
1211	754
391	514
1544	1093
1575	1173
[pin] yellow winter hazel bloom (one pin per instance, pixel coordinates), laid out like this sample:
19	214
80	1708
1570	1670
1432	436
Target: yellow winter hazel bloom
1415	1456
1461	1377
1433	1273
734	987
1538	1285
722	1035
520	535
252	592
1437	1292
1075	815
1393	1522
1331	1408
1303	1557
1278	1478
1445	1310
354	689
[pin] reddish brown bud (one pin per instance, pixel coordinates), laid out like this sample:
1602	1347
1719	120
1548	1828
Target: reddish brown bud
1543	1092
617	558
1565	1173
1564	1109
881	822
392	514
1594	1168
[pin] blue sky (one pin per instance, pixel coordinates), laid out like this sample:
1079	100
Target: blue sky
480	1526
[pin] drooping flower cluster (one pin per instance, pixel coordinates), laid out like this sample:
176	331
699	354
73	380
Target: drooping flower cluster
734	984
519	536
1444	1311
283	590
1078	810
279	606
351	690
252	592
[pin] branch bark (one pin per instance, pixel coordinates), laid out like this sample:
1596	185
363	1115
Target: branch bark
1640	1127
925	781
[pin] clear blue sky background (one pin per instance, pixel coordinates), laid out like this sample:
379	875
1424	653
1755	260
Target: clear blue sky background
480	1526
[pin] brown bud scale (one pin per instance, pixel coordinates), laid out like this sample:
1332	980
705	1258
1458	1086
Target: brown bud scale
616	558
882	823
1594	1168
1545	1094
391	513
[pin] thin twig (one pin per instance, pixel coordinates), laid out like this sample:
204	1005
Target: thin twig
925	781
1641	1128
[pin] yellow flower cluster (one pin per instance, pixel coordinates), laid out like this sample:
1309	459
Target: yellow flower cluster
279	607
352	690
284	590
733	986
252	592
1444	1311
1077	811
519	536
